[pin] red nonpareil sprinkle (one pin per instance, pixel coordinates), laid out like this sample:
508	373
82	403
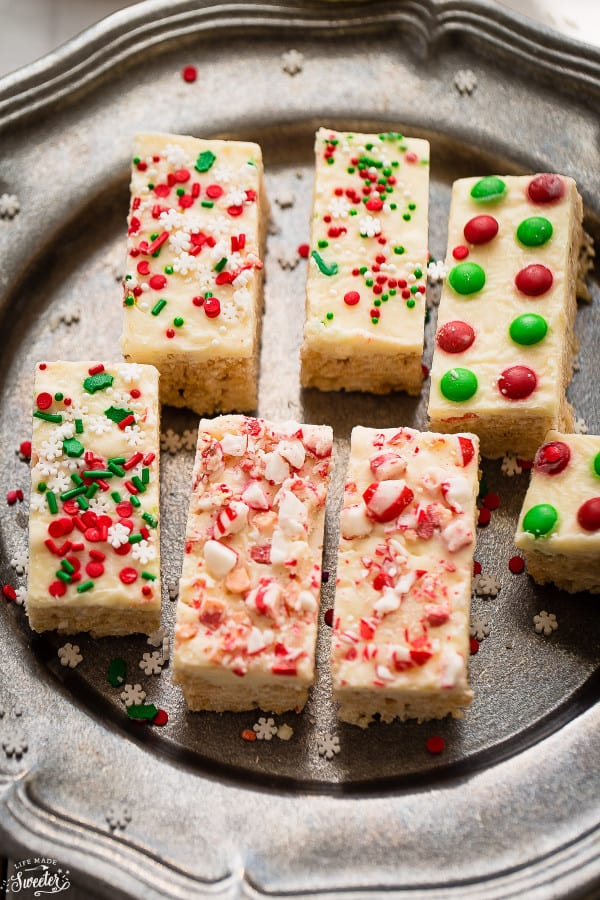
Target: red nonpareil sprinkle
473	645
13	496
189	74
161	718
491	501
147	590
25	449
135	394
460	252
516	564
9	592
248	735
303	250
328	617
484	516
170	333
435	743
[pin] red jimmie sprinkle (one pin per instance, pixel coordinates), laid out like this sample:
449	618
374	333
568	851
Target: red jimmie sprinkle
189	74
95	370
248	735
435	743
473	645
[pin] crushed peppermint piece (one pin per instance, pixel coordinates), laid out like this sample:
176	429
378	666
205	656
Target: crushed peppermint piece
545	623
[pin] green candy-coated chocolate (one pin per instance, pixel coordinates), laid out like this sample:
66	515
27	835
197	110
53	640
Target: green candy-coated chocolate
535	231
458	384
540	520
597	465
466	278
488	189
528	329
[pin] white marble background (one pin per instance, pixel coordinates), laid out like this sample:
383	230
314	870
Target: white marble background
31	28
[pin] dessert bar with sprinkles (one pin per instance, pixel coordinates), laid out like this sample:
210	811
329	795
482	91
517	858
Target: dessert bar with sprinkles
249	593
94	562
365	291
559	525
193	290
407	536
505	342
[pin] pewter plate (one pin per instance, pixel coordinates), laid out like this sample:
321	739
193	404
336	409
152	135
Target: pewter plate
191	810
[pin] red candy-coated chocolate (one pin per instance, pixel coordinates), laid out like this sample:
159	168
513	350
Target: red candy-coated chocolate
546	188
517	382
455	337
552	458
534	280
481	229
588	514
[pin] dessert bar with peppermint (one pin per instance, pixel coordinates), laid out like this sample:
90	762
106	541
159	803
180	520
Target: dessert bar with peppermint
94	561
559	525
250	588
193	290
505	341
365	291
407	536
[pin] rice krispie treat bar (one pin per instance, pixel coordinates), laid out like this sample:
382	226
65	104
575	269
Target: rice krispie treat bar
193	289
505	341
407	536
94	562
365	292
250	588
559	525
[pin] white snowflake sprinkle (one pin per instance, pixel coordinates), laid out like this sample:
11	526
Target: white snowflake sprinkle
479	628
37	502
286	256
20	561
436	271
265	729
328	745
133	435
69	655
166	648
170	441
339	208
292	62
485	585
118	817
14	744
50	450
59	483
545	623
143	552
152	663
465	81
173	590
580	426
99	425
132	694
510	465
369	226
189	438
9	206
100	505
118	535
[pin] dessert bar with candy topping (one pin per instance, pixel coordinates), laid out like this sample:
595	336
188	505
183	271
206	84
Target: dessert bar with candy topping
94	562
193	290
559	525
365	292
250	587
407	536
505	341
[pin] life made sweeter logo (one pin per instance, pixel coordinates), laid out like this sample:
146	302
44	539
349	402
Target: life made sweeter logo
38	875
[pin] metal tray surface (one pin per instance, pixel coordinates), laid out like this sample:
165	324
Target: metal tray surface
192	810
